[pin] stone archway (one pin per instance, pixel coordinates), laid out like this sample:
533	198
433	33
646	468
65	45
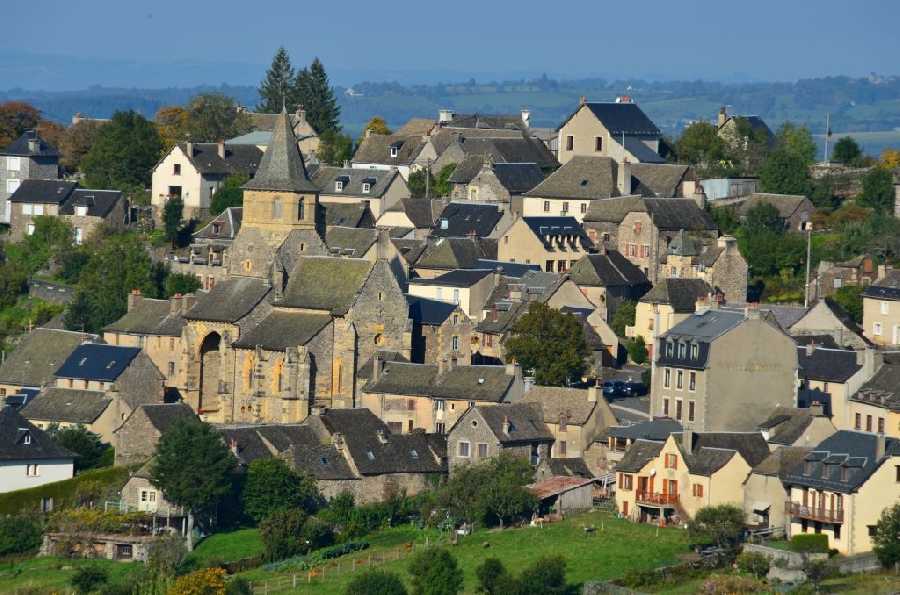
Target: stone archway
210	361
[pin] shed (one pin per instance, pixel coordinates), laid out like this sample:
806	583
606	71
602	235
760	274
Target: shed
565	494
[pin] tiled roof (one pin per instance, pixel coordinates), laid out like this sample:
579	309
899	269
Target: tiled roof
163	415
781	462
22	147
829	365
642	152
787	204
883	390
510	269
20	440
67	405
99	203
429	312
239	159
681	294
609	269
556	401
350	241
706	325
421	213
54	192
416	126
367	369
37	357
229	222
282	329
555	486
787	424
325	283
146	317
348	214
518	178
466	219
470	383
92	361
886	288
516	149
613	210
543	226
710	450
467	169
487	121
281	167
230	300
377	149
845	449
678	213
574	467
657	430
456	253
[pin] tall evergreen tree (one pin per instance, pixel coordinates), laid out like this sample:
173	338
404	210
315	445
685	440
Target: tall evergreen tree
279	88
316	95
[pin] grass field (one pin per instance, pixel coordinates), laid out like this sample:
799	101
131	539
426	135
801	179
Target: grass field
46	575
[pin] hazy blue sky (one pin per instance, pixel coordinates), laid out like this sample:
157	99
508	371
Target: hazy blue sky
761	40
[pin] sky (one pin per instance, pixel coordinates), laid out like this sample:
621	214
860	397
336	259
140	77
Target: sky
134	42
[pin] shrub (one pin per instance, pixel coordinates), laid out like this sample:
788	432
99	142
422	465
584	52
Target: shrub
280	534
810	543
19	535
753	562
200	582
89	578
376	582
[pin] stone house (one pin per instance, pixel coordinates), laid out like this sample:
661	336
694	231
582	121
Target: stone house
608	280
856	272
875	407
82	208
828	322
508	147
556	243
728	128
486	431
264	125
412	217
710	367
408	396
618	130
388	152
574	417
194	172
764	491
376	188
33	363
603	454
574	187
689	471
206	255
449	254
667	304
467	288
841	487
721	265
881	310
28	157
795	212
136	438
28	457
440	331
139	494
479	178
368	244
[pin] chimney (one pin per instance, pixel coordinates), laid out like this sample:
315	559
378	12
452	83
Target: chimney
382	436
752	311
234	447
699	196
175	304
34	144
868	265
594	392
582	100
816	409
301	114
810	348
879	446
603	249
377	367
722	115
687	440
498	275
526	116
190	148
445	116
506	425
338	440
623	177
134	298
221	149
368	133
319	410
187	302
346	164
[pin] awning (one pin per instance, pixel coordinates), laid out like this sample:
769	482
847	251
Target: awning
761	506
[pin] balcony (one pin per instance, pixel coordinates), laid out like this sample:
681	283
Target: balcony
656	498
823	515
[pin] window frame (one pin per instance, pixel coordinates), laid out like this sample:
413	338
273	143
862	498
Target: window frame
460	448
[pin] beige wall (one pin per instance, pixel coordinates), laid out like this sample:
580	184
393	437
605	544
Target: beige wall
519	244
881	321
765	488
554	207
190	181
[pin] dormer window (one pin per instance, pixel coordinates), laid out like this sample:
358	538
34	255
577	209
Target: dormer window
216	228
366	187
339	186
682	350
695	351
807	467
394	151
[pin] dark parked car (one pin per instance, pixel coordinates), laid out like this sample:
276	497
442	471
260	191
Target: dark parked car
612	388
632	388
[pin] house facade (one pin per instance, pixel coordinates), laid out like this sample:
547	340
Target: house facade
555	243
28	157
28	457
619	130
881	310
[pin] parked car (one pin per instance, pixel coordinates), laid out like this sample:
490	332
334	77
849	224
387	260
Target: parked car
612	388
633	388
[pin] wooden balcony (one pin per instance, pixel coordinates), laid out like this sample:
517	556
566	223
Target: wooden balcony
655	498
823	515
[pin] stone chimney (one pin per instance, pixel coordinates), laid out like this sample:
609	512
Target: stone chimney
810	348
175	303
34	144
623	177
506	425
816	409
879	446
368	133
526	116
594	392
221	149
722	116
301	114
134	298
497	276
190	148
752	311
582	100
699	197
727	242
377	367
187	302
445	116
687	439
382	436
337	439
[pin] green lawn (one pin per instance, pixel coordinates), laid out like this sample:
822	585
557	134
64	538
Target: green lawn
43	575
225	547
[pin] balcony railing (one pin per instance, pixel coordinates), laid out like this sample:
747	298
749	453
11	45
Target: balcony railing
655	498
824	515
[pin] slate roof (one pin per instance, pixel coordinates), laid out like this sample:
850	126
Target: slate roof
347	214
787	424
163	415
465	219
99	203
883	389
281	167
706	325
467	169
456	253
325	283
854	451
518	178
575	467
582	177
54	192
21	147
239	159
542	226
37	357
681	245
710	450
421	213
149	317
455	278
657	179
782	461
429	312
557	400
377	149
229	221
656	430
886	288
282	329
15	430
678	213
487	121
638	455
784	316
613	210
642	152
411	250
515	149
230	299
349	241
468	383
510	269
256	442
318	460
353	178
67	405
623	118
787	204
525	422
92	361
366	369
829	365
609	269
416	126
681	294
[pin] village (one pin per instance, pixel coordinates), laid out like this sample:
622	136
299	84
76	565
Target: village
566	297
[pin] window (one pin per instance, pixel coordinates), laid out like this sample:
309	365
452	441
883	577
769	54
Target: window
561	266
276	208
625	481
79	235
665	405
695	351
692	381
176	169
562	447
482	450
301	214
670	348
598	143
682	350
679	380
570	143
440	404
12	185
546	206
692	405
13	163
632	249
884	307
410	426
876	329
548	266
440	293
26	209
38	209
667	378
30	230
393	151
645	251
463	449
836	282
32	470
410	404
338	186
454	342
456	320
897	471
455	296
565	208
807	469
857	424
171	369
868	423
671	461
881	425
678	409
698	490
845	473
366	187
440	428
563	422
605	238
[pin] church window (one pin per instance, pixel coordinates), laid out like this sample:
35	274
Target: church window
276	208
301	209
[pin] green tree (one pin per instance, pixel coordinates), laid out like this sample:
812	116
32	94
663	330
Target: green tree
215	116
192	466
442	181
493	577
229	194
87	579
623	317
335	148
86	444
763	217
722	524
850	299
435	572
847	151
316	95
278	90
375	582
549	342
52	237
753	562
123	153
725	217
272	485
878	190
700	144
886	542
281	534
376	125
417	184
545	576
798	141
19	535
81	313
748	146
165	556
785	172
637	350
181	283
173	218
206	581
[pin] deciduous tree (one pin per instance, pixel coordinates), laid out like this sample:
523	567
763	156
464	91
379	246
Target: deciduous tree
549	342
173	218
77	142
723	524
181	283
281	534
335	148
847	151
376	582
435	572
206	581
123	153
86	444
886	542
15	118
279	88
271	485
172	123
215	116
229	194
798	141
785	172
878	190
376	125
700	144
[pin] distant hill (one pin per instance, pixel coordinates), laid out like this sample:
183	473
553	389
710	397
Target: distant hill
856	105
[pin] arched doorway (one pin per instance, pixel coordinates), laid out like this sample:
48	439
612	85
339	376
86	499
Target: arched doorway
210	360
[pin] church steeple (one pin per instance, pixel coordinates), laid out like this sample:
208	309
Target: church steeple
281	167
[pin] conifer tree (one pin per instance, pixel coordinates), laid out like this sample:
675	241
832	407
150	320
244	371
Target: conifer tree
279	88
316	96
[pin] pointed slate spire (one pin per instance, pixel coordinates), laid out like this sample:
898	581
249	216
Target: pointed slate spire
281	167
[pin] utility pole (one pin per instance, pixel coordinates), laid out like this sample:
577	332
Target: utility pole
428	178
808	252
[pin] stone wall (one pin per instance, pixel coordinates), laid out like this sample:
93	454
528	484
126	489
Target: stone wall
377	488
135	440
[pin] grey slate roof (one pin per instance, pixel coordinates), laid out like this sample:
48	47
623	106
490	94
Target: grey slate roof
787	424
638	455
367	368
662	180
230	300
854	451
92	361
886	288
706	325
325	283
470	383
229	221
466	219
429	312
456	253
518	177
20	440
657	430
525	422
883	390
467	169
782	461
829	365
456	278
377	149
582	177
613	210
38	356
282	329
67	405
487	121
347	214
149	317
711	450
349	241
320	461
681	294
99	203
54	192
642	152
516	149
353	179
163	415
543	226
510	269
678	213
22	148
422	213
609	269
575	467
787	204
281	167
557	400
623	118
239	159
